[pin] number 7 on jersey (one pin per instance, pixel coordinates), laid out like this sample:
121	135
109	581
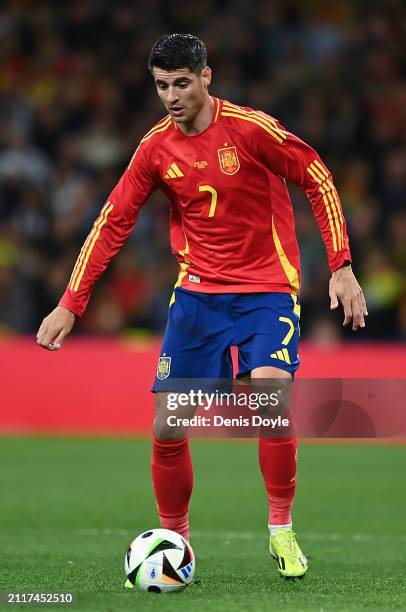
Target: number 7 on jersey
213	193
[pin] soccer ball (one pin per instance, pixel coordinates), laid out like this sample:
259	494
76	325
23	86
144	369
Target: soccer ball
159	560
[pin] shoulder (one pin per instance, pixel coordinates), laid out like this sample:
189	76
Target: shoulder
147	143
254	121
158	130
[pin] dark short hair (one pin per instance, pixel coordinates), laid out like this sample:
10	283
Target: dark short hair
174	51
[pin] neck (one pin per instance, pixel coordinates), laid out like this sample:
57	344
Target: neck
202	119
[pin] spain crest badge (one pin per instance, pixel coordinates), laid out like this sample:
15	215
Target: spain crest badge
228	159
164	368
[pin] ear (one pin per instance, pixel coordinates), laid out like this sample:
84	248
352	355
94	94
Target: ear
206	76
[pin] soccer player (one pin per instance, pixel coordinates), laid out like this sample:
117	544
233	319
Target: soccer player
223	168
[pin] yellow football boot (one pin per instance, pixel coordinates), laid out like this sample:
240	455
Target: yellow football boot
291	561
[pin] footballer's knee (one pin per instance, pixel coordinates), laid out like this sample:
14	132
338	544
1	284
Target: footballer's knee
276	383
164	431
166	425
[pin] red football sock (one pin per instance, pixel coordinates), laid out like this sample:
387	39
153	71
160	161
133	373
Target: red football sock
277	458
172	477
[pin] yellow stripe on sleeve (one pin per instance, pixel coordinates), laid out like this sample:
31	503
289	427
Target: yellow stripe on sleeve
95	236
331	223
262	118
339	210
336	199
282	133
84	247
165	122
323	174
336	220
161	123
316	176
154	131
263	124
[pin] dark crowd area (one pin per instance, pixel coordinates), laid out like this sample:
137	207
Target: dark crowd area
76	97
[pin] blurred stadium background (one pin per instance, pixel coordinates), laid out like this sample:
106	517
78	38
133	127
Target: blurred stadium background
75	98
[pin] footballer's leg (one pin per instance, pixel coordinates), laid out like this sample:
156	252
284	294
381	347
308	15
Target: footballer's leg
171	465
269	335
195	346
277	459
171	468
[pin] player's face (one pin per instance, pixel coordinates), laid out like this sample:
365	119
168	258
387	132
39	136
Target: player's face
182	92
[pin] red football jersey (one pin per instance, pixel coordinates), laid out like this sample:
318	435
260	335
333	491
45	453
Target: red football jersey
231	218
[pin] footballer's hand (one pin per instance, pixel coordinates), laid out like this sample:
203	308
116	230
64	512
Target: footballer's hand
344	287
54	328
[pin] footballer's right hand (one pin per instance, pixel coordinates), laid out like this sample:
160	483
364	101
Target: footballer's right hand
54	328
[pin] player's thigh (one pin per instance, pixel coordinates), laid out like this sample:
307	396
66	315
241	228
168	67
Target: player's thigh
276	381
268	348
196	341
269	335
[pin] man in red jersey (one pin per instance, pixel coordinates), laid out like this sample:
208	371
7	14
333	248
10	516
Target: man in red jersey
224	169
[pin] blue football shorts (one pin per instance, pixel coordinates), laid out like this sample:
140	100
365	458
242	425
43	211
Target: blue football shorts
202	327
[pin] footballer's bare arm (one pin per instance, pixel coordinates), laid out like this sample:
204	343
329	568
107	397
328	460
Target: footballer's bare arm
345	288
54	328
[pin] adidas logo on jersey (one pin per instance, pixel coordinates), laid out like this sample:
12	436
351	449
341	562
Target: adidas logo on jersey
174	172
282	355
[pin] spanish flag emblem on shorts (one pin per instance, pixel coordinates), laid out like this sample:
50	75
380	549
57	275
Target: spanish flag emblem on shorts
164	368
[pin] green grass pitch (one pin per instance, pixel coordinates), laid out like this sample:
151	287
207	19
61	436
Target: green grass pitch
69	508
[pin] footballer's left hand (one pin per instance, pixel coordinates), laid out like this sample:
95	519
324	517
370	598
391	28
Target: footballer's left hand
344	287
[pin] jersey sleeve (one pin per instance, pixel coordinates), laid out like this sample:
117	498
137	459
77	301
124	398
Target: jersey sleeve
291	158
110	230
